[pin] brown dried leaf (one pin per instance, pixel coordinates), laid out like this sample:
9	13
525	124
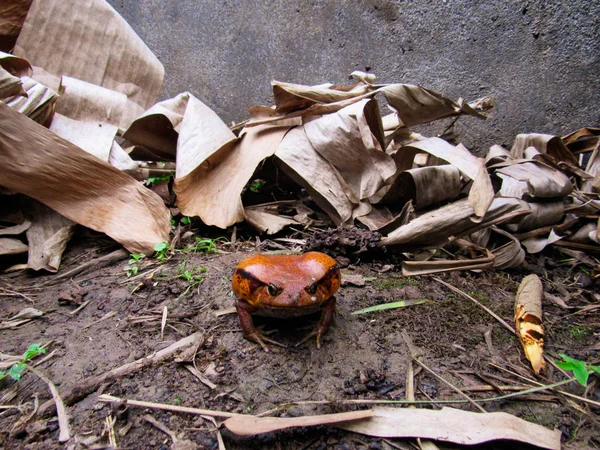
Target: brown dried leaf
78	185
39	103
528	321
251	425
416	105
533	179
350	140
132	70
10	85
292	97
545	144
47	236
300	161
12	246
454	425
440	226
213	189
266	219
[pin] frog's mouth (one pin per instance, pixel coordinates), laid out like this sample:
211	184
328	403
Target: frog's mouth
290	311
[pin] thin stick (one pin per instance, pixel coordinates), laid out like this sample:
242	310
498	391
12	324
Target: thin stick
576	397
92	383
61	411
450	385
485	308
162	406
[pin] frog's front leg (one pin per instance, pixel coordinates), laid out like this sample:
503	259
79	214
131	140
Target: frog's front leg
245	311
324	323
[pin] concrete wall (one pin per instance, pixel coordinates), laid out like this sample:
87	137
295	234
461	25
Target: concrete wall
538	59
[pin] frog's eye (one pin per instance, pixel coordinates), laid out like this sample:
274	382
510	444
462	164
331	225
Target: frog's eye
273	290
312	289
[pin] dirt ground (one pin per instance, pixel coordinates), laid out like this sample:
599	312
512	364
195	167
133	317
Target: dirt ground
362	357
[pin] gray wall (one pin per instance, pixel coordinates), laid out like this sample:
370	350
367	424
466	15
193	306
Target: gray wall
538	59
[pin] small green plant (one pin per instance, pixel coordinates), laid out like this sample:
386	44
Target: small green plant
161	251
581	370
579	332
185	220
256	185
133	267
155	180
192	276
204	245
17	369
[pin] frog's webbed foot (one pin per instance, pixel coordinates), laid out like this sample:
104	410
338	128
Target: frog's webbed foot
250	331
323	325
259	338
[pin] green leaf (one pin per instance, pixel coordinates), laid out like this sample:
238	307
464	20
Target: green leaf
3	374
160	246
581	374
32	350
16	371
392	305
566	365
186	220
595	369
569	359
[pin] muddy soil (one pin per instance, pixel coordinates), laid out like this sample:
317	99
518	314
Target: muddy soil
362	356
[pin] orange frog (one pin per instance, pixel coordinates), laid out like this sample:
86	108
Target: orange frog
285	286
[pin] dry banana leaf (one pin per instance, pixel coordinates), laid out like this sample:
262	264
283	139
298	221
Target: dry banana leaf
438	227
12	246
300	161
213	190
507	249
14	65
39	103
267	219
47	237
454	425
13	15
416	105
528	321
79	186
545	144
542	214
414	268
582	140
117	60
533	180
351	141
537	244
472	167
292	97
158	129
10	85
428	185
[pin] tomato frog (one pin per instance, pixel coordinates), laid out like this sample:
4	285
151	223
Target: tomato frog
285	286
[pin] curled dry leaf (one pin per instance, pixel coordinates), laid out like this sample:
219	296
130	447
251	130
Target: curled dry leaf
545	144
416	105
132	70
10	85
300	161
47	236
438	227
454	425
39	103
12	246
251	425
533	180
14	65
351	141
213	189
528	321
65	178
